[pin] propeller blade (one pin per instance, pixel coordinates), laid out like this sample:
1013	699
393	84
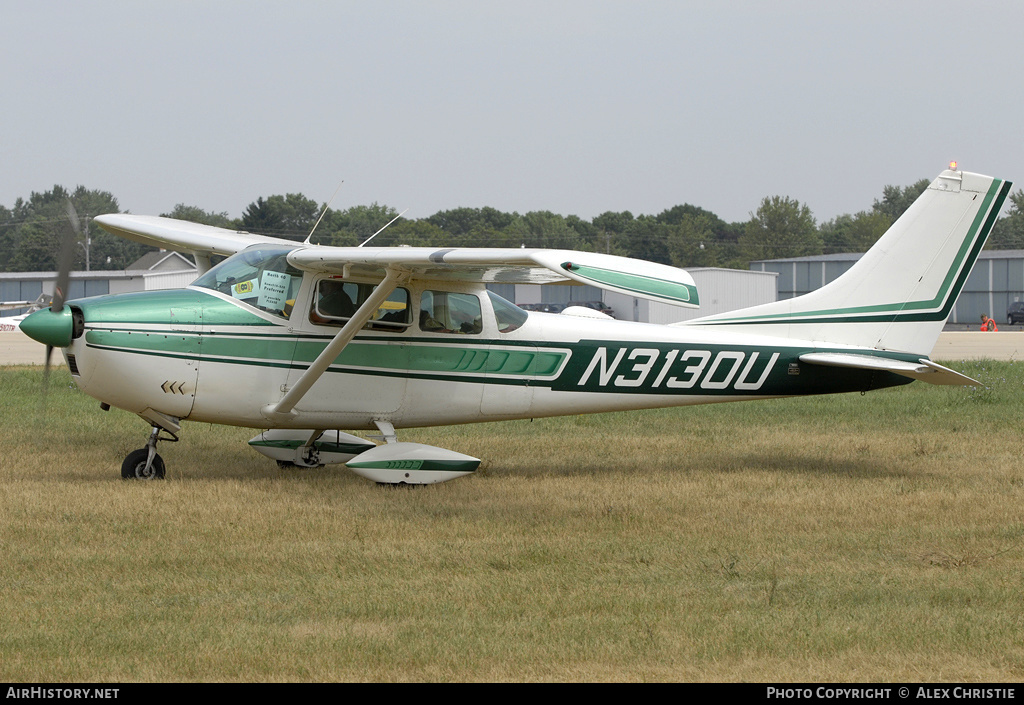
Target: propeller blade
65	260
46	373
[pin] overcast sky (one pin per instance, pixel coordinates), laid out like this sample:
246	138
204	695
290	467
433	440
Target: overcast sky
574	106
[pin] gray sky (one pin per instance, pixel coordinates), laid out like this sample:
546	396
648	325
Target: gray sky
573	106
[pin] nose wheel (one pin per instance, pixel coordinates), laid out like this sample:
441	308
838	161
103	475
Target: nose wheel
146	463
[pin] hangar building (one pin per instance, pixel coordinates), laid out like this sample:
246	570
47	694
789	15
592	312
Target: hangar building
996	282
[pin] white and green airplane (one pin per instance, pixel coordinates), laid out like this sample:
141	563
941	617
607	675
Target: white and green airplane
302	340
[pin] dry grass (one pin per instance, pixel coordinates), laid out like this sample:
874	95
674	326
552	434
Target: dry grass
848	538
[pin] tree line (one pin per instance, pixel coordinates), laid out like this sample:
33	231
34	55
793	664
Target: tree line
684	235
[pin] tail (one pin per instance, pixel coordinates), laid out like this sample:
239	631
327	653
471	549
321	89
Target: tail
899	294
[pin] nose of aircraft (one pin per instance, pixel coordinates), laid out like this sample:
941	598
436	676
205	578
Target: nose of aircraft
50	327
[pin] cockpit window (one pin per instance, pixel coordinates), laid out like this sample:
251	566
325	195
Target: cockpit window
258	276
509	316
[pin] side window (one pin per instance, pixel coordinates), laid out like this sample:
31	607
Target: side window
508	316
445	312
336	301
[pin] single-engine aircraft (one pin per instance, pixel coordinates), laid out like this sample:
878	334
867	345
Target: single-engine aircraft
303	341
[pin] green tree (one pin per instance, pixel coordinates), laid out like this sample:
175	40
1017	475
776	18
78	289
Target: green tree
692	242
645	238
419	233
610	232
896	200
37	247
7	239
781	227
353	226
1008	232
37	226
853	233
105	251
704	240
539	229
472	221
587	232
194	214
291	216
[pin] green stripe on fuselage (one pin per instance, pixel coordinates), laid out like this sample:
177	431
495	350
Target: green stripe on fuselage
385	357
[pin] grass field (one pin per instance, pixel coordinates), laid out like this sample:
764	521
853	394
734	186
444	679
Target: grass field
848	538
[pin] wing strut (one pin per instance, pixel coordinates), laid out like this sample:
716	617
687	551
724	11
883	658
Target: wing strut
334	348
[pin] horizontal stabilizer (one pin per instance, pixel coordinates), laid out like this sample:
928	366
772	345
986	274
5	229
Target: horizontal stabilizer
924	370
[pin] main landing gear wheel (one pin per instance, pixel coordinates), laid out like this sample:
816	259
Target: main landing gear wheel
137	466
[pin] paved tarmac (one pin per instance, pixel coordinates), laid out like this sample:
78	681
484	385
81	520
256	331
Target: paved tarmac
16	348
975	345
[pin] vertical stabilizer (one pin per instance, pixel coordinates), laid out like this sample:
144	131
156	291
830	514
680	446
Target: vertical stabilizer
899	294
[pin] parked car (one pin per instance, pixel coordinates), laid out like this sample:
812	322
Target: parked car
596	305
546	308
1015	312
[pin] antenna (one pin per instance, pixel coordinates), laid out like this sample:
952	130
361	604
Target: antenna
323	213
384	228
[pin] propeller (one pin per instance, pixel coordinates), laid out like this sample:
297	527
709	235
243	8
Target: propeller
65	260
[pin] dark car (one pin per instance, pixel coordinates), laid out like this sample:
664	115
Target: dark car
1015	312
546	308
596	305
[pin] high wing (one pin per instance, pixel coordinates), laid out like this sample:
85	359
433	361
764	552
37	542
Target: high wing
200	241
647	280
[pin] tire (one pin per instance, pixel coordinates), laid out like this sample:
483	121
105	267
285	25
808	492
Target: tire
133	466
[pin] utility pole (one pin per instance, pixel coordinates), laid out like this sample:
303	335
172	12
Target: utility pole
88	243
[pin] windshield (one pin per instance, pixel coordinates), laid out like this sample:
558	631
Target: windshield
258	276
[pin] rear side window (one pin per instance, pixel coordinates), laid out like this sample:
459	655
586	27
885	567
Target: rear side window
447	312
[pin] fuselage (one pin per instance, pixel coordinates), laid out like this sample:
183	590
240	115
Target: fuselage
206	355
